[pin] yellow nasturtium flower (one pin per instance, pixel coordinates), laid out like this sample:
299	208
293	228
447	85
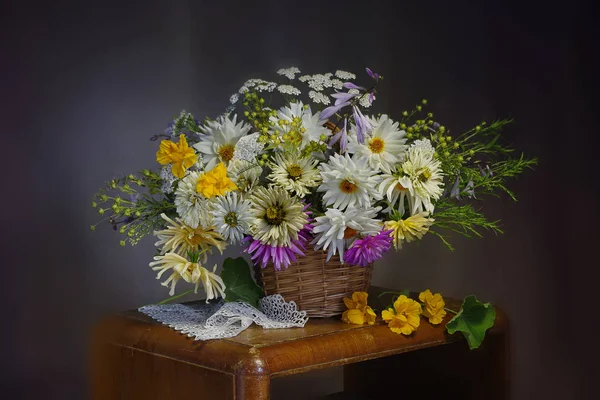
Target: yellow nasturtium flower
179	154
358	312
215	182
404	318
434	306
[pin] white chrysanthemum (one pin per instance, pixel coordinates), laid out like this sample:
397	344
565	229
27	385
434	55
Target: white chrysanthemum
244	174
231	217
278	217
258	85
336	230
294	173
191	272
348	182
219	140
308	125
383	147
289	89
395	187
426	178
192	207
289	73
167	177
345	75
318	97
248	148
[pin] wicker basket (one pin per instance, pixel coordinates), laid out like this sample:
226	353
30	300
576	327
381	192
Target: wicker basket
317	287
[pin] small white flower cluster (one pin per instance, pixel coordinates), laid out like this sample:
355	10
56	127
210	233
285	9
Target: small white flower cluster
288	89
248	147
365	101
345	75
259	85
318	97
167	177
289	73
234	98
423	145
321	82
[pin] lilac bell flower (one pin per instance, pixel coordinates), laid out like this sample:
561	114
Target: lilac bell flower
372	74
342	136
363	125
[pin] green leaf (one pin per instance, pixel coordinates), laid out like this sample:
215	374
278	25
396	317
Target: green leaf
473	320
239	284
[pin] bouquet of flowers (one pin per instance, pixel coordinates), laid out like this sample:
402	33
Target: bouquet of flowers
304	164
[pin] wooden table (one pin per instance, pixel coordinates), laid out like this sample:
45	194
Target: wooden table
134	357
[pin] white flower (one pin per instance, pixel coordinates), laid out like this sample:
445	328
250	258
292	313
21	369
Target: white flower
258	85
294	173
318	97
336	230
244	174
248	148
278	217
396	188
231	216
191	272
192	207
365	101
383	147
345	75
288	89
234	98
423	144
318	82
348	182
309	127
426	177
219	140
289	73
167	177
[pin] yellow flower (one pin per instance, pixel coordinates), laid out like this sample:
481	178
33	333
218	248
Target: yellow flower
358	312
434	306
215	182
404	318
409	229
179	154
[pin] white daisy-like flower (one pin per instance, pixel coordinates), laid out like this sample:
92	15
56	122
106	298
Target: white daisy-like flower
336	230
192	207
191	272
294	173
219	140
384	146
289	89
167	177
318	97
234	98
426	178
289	73
348	182
244	174
309	127
345	75
248	148
278	217
395	187
231	217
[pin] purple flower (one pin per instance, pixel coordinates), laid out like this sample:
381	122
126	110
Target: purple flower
343	97
368	249
342	136
329	111
372	74
363	125
350	85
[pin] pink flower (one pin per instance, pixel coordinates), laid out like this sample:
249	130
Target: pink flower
368	249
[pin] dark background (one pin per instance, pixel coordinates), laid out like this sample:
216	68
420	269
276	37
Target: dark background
86	84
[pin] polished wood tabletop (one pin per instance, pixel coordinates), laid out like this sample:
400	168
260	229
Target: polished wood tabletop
134	356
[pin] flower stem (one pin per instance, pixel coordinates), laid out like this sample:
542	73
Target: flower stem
165	301
450	311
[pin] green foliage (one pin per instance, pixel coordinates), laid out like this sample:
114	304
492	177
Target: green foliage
239	284
473	320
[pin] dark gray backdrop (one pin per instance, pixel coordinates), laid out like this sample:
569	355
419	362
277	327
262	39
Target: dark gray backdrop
86	84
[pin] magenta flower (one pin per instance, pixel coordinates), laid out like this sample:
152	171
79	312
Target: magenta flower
368	249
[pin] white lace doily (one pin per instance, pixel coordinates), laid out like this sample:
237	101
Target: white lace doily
223	320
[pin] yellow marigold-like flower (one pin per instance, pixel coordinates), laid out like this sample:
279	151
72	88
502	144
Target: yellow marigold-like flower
215	182
179	238
358	312
434	306
404	318
179	154
409	229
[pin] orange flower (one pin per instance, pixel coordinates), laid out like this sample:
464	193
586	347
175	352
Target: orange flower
358	312
434	306
179	154
404	318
